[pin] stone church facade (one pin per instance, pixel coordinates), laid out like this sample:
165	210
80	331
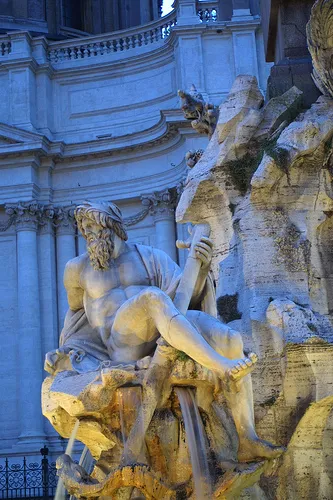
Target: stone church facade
87	112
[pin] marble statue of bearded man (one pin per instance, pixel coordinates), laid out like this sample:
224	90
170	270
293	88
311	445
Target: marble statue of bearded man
120	303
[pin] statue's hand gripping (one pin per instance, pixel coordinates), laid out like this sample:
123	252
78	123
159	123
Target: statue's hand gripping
203	250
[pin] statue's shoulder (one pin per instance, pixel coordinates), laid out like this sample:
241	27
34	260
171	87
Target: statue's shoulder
76	265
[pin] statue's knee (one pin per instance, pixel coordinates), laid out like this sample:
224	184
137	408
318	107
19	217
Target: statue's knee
236	343
153	296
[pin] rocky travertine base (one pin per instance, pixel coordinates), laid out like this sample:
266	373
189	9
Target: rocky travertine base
107	403
307	468
264	184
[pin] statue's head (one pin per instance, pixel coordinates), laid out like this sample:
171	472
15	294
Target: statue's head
101	224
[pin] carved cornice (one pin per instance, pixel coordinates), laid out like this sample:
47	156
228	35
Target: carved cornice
161	204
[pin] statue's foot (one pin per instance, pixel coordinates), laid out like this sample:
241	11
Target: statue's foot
251	450
241	367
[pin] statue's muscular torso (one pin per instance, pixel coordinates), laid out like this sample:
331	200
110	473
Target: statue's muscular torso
101	293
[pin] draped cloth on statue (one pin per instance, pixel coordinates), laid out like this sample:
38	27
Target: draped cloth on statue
87	345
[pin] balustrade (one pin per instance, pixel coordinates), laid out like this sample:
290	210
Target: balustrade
114	42
207	11
5	47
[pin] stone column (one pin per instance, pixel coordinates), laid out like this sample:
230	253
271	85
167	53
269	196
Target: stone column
30	362
66	250
162	208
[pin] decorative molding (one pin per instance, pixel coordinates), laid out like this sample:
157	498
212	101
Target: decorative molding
25	215
161	204
46	219
64	220
6	225
136	218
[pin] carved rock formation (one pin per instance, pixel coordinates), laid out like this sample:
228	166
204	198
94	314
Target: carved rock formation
264	184
106	412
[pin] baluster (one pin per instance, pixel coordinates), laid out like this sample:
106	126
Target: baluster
70	53
25	476
85	50
101	48
95	49
139	39
109	46
156	34
127	43
7	478
145	38
2	49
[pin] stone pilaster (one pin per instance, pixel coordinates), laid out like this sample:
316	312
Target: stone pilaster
65	227
47	281
162	208
30	360
241	10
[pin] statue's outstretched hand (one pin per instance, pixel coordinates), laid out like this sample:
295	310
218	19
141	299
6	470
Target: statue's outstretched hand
203	250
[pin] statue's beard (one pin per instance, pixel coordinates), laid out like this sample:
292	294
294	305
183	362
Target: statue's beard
100	251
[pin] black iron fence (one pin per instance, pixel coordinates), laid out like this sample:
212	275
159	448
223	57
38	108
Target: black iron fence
29	480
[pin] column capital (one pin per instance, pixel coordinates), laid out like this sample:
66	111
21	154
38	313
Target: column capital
46	219
161	203
64	220
25	214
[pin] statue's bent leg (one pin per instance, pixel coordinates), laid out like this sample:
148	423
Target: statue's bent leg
153	310
229	343
221	337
